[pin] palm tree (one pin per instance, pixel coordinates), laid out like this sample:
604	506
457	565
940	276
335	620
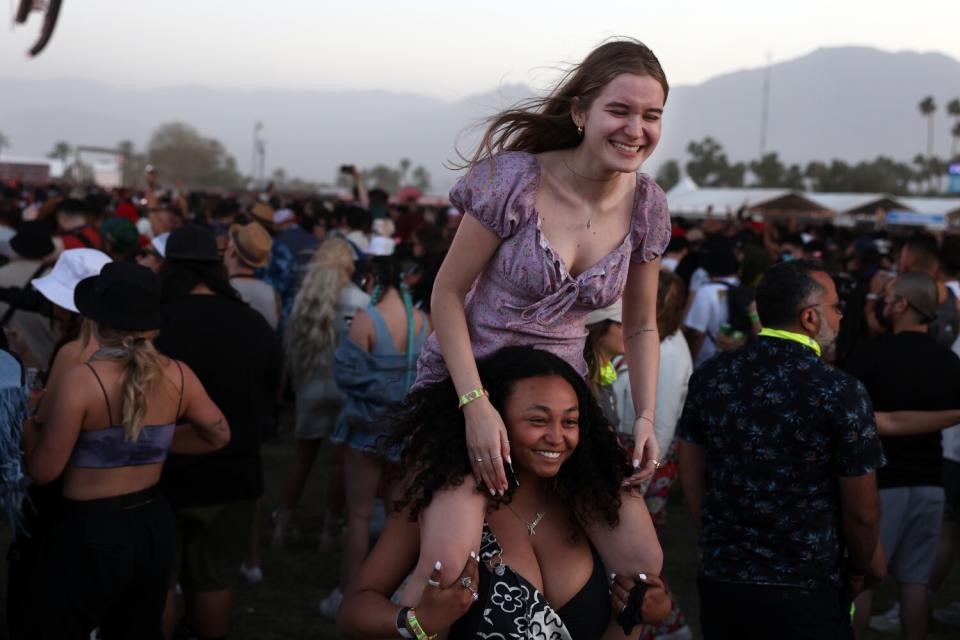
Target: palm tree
927	108
955	132
953	110
921	173
61	151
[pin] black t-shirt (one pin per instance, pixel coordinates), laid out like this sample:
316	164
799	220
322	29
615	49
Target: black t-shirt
237	357
909	371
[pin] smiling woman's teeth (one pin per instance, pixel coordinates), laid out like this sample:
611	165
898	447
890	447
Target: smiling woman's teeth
624	147
553	455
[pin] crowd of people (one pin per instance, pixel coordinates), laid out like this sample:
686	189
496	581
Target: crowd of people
517	382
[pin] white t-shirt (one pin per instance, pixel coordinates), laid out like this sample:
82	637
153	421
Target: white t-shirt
260	296
706	313
698	279
670	264
676	367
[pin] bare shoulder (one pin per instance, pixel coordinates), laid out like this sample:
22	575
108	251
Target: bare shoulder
71	350
362	323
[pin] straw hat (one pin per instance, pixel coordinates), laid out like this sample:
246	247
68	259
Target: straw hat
253	243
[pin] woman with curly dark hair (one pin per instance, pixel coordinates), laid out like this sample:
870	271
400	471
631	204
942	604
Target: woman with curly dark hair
535	570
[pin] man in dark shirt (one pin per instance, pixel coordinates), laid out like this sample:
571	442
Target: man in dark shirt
237	357
777	458
907	369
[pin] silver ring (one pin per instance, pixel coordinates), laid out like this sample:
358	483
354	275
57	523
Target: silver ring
433	583
466	581
656	464
479	459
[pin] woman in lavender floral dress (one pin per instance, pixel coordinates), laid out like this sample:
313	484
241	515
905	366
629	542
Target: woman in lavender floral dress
557	222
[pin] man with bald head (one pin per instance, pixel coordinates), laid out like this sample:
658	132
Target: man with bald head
778	452
907	369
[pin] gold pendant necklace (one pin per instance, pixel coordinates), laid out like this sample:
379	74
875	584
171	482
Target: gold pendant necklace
587	178
532	525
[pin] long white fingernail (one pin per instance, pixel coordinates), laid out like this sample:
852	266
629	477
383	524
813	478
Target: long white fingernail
642	576
636	463
473	556
613	576
438	566
509	461
492	492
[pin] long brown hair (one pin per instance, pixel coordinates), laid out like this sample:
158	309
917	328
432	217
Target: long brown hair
544	124
671	295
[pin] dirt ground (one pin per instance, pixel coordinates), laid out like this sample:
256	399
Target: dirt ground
285	604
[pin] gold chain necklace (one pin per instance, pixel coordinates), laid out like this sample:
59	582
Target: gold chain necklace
531	525
583	177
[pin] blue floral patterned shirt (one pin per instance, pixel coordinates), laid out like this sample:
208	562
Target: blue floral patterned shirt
778	427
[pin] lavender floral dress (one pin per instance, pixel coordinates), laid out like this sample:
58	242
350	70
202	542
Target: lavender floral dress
525	296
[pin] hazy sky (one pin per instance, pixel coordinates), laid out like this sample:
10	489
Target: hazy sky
449	48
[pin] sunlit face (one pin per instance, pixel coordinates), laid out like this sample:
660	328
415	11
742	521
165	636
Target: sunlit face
621	127
543	421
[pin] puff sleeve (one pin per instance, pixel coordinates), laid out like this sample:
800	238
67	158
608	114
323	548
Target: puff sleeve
651	222
499	191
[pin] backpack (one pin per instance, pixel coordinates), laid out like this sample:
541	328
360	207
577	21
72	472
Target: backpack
739	299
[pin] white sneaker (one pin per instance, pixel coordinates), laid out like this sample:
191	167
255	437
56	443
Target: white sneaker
253	575
887	622
331	604
683	633
949	614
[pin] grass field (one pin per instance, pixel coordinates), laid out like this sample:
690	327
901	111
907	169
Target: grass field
285	604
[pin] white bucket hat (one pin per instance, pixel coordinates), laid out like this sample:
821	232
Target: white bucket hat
72	266
614	312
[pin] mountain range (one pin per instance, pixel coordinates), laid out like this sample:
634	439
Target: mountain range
850	103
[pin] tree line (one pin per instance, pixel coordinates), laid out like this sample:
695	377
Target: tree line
708	166
926	174
182	155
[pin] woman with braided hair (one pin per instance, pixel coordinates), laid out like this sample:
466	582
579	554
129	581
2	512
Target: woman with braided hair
375	367
110	425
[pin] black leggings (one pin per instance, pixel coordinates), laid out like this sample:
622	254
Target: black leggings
105	564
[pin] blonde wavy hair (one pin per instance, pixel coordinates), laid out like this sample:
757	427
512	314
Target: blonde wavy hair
311	332
143	370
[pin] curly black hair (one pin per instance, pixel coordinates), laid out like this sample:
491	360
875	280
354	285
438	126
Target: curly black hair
430	430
